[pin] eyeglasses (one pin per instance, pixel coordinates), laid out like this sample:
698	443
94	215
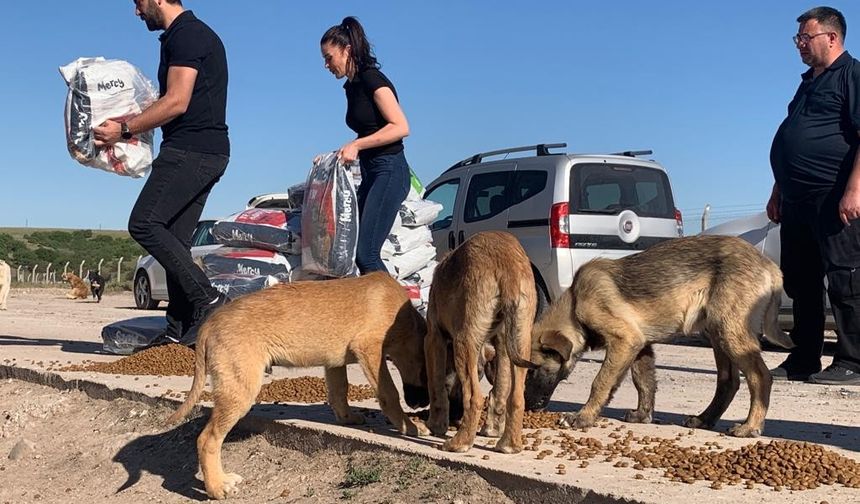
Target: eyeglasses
804	38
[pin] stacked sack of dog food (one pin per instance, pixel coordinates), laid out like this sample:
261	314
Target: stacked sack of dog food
262	247
101	89
408	252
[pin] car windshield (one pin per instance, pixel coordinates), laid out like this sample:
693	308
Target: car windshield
203	234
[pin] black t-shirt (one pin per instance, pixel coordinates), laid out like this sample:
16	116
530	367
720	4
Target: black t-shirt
188	42
362	114
814	147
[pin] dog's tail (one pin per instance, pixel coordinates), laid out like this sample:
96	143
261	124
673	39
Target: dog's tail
771	329
199	377
513	330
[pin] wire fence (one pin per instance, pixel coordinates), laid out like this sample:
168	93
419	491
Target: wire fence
116	272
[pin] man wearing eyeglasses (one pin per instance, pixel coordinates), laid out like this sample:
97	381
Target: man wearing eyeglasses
816	199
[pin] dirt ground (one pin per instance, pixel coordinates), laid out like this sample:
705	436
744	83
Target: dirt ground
63	446
74	449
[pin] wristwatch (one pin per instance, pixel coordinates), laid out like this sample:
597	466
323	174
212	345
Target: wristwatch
124	132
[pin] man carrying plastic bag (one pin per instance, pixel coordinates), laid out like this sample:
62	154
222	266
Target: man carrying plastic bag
194	153
99	90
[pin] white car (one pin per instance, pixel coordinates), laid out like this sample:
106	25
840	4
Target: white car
565	209
150	283
764	235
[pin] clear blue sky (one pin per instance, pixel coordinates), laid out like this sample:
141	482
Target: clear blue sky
703	84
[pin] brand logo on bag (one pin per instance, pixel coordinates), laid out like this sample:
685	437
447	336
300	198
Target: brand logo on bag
238	235
247	270
346	216
108	85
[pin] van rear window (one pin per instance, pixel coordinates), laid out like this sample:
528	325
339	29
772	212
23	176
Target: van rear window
611	189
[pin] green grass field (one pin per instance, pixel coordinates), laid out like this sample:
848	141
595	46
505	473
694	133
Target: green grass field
19	232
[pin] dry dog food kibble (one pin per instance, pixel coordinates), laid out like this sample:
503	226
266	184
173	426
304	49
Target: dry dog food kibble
789	465
178	360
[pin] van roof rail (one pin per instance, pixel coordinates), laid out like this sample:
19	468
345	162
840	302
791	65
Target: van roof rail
540	150
634	153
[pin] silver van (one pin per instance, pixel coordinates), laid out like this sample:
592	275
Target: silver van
564	208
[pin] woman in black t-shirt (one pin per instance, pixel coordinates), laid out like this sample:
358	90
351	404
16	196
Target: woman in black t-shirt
374	113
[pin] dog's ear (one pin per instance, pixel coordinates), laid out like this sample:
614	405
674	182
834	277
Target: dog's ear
557	342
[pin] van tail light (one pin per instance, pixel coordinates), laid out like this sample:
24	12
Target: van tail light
559	226
679	222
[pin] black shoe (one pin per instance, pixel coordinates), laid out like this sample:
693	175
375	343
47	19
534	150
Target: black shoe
189	337
202	312
836	375
791	372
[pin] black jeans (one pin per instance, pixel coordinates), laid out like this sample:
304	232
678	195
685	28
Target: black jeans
384	186
814	244
163	220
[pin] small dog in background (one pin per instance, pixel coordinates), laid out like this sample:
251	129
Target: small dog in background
79	288
97	285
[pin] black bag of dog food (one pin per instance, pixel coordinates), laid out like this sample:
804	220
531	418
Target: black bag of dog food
268	229
329	220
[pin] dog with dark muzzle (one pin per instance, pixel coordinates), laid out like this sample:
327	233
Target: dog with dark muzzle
718	285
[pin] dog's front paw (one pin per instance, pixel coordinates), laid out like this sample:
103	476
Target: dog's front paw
636	416
575	421
744	430
229	486
696	422
508	447
353	418
414	427
490	432
452	445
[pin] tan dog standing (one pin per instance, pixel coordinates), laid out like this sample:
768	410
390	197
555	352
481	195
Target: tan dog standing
316	323
5	282
483	292
80	290
719	285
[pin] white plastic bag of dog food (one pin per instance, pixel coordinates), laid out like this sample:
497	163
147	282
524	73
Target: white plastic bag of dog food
404	239
329	219
424	276
419	212
400	266
101	89
269	229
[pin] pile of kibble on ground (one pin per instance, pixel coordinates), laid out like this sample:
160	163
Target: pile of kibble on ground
781	465
178	360
778	464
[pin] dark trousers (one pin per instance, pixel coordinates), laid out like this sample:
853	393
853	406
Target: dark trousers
163	220
384	186
814	244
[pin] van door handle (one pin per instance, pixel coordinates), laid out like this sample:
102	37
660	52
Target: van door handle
462	237
451	243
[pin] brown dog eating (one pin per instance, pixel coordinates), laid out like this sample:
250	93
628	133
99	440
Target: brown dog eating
483	292
315	323
718	285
